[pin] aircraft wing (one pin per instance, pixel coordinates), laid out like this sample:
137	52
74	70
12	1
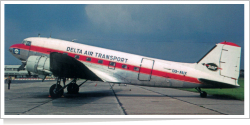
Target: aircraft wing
65	66
106	75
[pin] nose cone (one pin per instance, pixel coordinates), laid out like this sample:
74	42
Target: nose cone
11	49
15	50
20	51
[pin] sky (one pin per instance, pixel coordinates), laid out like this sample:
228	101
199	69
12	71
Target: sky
174	32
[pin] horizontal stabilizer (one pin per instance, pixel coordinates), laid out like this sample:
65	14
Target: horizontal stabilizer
217	84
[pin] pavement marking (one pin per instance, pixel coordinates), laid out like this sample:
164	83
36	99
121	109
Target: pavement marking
111	87
187	102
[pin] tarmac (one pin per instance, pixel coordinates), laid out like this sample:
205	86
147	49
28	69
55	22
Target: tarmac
98	98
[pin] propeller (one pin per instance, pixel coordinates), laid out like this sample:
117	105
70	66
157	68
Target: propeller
22	66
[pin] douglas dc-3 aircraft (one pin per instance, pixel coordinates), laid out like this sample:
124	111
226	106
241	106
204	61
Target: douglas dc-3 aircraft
219	68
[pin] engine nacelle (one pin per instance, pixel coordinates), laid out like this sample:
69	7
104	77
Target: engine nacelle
39	65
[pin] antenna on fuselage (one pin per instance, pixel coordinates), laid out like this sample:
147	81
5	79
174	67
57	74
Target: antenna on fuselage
73	40
39	34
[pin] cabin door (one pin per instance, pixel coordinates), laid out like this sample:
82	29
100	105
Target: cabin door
146	69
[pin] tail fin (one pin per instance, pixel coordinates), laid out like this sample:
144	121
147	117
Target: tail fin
222	61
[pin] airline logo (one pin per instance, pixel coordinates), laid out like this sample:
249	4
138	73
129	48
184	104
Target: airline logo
211	66
16	51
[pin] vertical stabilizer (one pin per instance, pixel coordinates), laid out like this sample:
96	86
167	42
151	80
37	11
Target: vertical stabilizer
221	63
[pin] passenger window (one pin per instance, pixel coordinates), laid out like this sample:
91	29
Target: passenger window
88	59
77	56
124	66
112	63
136	68
65	53
100	61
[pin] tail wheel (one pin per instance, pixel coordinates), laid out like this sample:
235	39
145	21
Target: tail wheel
203	94
73	88
54	93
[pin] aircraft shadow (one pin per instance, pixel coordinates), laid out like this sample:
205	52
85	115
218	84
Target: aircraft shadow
82	98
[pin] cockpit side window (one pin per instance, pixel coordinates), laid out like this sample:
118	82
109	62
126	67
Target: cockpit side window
28	43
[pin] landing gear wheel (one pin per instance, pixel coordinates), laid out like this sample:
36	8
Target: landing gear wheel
54	91
203	94
73	88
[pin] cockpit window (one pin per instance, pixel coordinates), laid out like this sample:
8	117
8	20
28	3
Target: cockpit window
28	43
24	42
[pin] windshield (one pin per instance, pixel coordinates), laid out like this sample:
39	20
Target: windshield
24	42
28	43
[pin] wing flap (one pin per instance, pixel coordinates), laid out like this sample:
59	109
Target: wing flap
107	75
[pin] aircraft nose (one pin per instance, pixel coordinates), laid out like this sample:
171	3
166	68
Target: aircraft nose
14	49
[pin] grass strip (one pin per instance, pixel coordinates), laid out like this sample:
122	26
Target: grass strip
233	93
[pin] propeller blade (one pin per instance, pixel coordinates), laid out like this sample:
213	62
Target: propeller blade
22	66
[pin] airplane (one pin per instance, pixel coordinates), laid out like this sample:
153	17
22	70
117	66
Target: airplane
219	68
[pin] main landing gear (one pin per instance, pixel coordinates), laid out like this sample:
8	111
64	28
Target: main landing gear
73	88
57	90
203	94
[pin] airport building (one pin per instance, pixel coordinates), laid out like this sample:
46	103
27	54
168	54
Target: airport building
11	70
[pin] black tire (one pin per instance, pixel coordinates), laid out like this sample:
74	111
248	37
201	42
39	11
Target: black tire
73	88
53	89
70	88
76	89
203	94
